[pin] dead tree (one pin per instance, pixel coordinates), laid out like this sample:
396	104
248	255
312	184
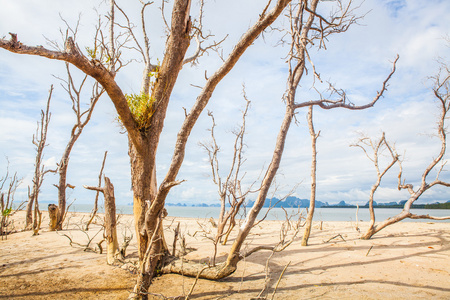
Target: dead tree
441	86
143	115
377	148
307	27
110	219
95	209
229	187
39	140
312	200
74	91
8	187
152	220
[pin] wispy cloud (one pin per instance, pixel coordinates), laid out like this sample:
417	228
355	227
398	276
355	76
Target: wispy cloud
356	61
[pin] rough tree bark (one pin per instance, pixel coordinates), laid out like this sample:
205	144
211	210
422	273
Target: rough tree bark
442	96
110	220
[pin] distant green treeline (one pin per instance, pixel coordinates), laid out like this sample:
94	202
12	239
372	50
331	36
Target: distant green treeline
292	201
445	205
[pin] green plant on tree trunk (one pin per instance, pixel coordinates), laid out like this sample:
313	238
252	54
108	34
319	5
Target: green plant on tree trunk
142	105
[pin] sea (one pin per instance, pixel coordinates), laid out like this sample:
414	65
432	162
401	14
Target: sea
320	214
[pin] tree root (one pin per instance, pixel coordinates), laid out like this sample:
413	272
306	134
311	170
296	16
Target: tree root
176	265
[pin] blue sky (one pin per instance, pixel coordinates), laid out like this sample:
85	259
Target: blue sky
356	61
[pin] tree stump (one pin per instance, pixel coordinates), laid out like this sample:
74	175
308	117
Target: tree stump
53	212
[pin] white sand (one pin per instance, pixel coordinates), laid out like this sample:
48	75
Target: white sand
406	260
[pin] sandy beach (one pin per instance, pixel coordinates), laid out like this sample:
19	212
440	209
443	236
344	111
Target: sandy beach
404	261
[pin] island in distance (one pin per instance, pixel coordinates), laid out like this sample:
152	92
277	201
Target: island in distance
297	202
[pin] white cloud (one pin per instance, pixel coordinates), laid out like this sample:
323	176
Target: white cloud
356	61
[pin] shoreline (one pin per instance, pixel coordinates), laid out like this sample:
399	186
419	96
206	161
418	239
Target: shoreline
326	214
406	259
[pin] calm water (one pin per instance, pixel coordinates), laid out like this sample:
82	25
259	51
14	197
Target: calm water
321	214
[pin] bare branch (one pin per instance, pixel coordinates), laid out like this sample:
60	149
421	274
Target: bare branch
246	40
93	68
94	188
413	216
343	102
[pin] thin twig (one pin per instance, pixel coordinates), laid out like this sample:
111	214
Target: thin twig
195	282
279	279
337	235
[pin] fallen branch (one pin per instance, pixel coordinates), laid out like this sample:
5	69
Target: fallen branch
85	247
279	279
337	235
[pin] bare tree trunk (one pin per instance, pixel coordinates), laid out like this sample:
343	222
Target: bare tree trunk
233	256
37	219
143	180
110	219
232	220
82	119
62	185
152	215
373	229
39	140
377	148
312	200
294	77
145	137
222	220
110	222
29	211
297	58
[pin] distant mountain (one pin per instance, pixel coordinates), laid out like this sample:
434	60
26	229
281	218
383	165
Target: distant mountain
288	202
291	201
176	204
400	204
